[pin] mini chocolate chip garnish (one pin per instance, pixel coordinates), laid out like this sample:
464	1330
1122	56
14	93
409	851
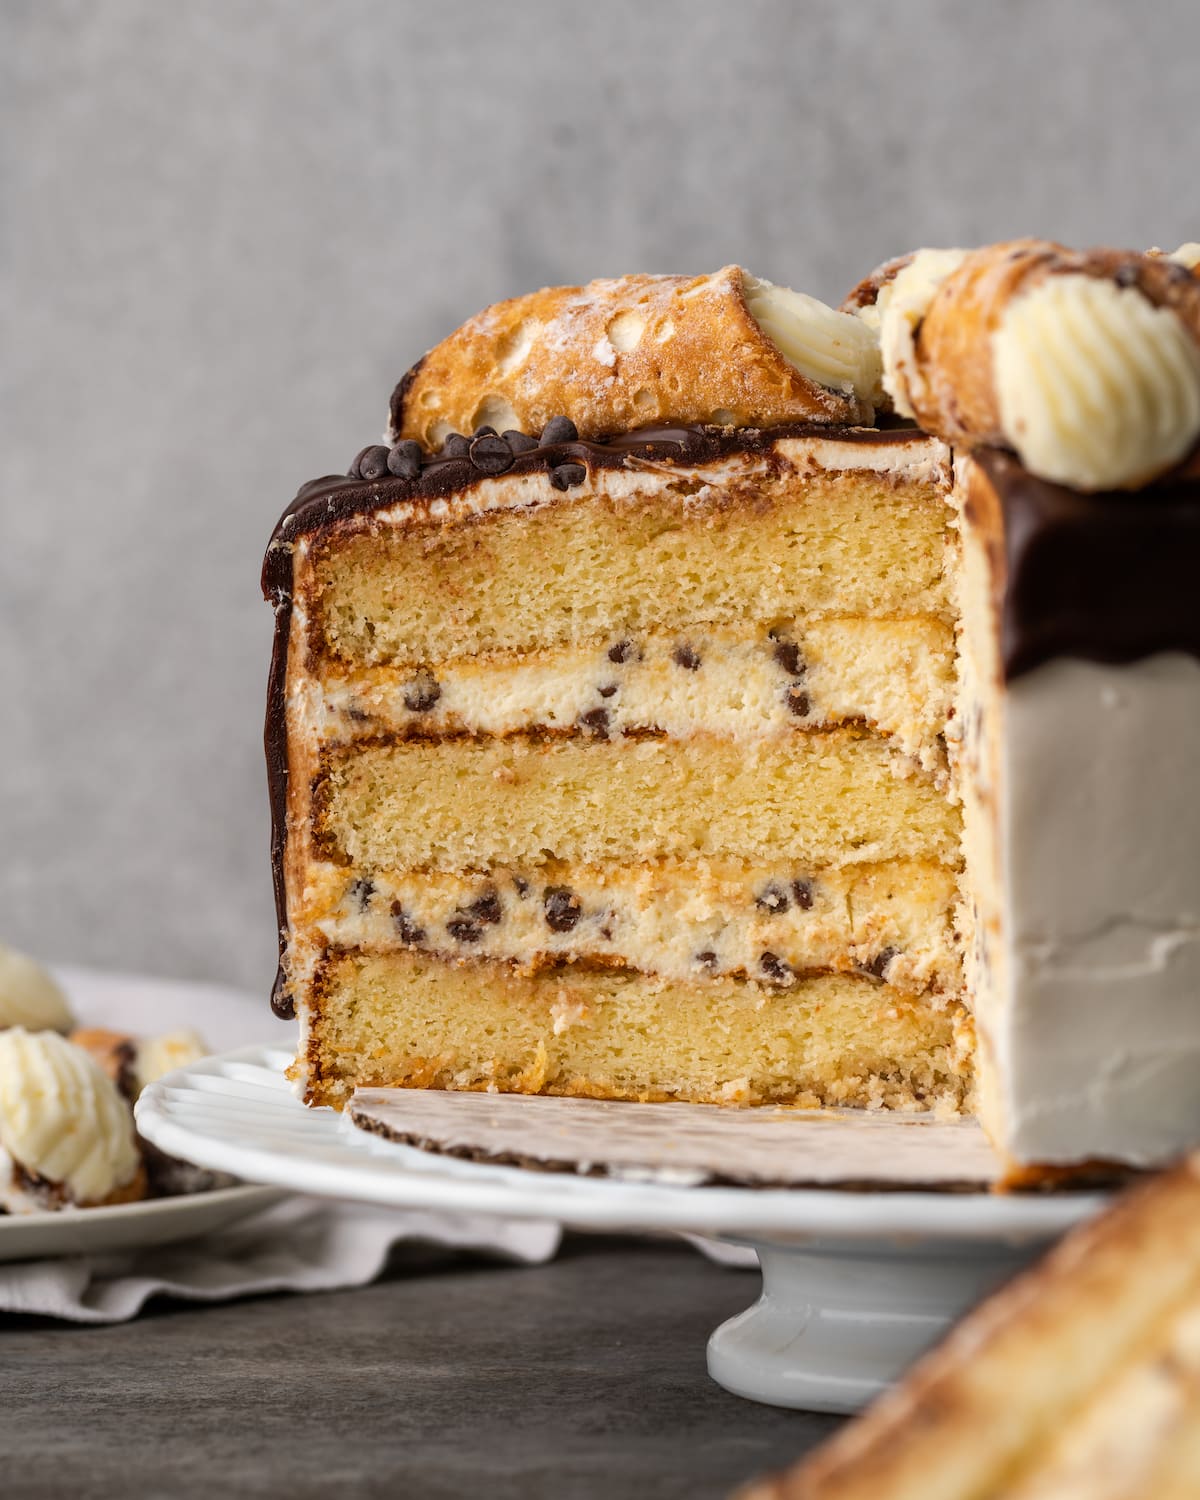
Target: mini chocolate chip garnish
456	446
372	462
558	430
463	930
361	892
687	657
798	703
566	475
562	907
772	898
608	690
776	968
519	442
486	908
802	894
877	968
491	454
484	431
596	720
407	930
355	469
787	654
404	461
622	651
606	933
422	693
707	960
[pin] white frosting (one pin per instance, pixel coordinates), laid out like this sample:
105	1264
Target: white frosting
1097	1030
29	996
894	675
836	349
159	1055
660	918
1096	387
1187	255
901	305
61	1117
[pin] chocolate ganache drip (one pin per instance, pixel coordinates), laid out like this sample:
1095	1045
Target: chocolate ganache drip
1109	577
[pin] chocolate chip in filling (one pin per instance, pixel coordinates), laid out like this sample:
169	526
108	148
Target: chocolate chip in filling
464	929
772	898
686	656
596	721
798	702
562	906
622	651
360	893
486	908
776	969
422	692
878	966
409	932
802	893
787	655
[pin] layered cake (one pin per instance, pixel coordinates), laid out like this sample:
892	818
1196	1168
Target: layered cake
1078	1381
628	708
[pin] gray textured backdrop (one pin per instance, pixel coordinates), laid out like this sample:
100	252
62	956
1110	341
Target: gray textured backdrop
230	226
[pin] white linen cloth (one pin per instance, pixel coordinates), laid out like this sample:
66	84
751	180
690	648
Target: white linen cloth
300	1244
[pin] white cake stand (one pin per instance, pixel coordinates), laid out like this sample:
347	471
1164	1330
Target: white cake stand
855	1282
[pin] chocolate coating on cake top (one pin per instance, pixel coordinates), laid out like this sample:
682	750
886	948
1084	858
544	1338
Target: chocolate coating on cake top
1111	577
462	462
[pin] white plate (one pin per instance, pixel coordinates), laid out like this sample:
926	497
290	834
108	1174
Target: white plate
237	1113
128	1226
856	1283
139	1003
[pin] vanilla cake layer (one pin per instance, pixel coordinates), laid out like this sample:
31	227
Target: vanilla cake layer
742	682
408	1019
821	799
683	921
749	539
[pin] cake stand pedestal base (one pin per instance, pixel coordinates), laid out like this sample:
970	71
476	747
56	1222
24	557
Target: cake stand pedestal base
874	1229
835	1324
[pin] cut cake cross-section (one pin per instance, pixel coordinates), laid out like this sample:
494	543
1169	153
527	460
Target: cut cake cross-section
769	756
576	804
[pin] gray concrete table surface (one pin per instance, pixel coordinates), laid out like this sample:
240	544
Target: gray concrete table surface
450	1377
